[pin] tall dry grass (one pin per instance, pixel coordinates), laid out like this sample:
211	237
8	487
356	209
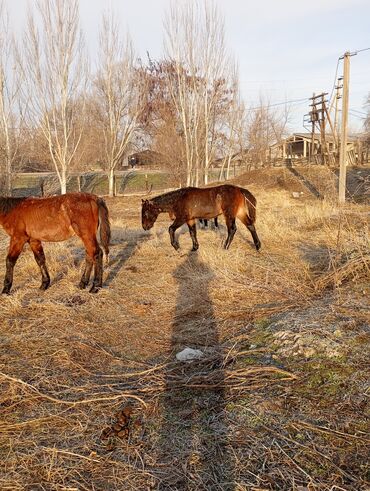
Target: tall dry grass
243	417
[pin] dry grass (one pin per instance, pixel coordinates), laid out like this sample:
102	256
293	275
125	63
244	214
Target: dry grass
277	402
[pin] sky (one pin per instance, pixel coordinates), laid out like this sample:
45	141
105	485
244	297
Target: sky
285	49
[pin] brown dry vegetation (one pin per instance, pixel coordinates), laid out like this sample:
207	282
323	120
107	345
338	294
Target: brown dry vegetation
277	403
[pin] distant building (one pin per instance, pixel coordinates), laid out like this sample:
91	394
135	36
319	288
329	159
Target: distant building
303	146
146	159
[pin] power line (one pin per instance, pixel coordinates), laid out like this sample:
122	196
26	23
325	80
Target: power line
277	104
354	115
357	111
335	81
360	50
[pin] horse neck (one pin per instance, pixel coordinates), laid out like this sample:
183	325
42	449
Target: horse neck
164	207
164	203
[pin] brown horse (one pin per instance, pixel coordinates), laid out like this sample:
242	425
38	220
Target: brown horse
186	205
56	219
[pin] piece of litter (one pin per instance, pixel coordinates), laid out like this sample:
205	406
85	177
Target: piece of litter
189	354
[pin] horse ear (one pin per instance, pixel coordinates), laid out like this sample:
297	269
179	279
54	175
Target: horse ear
144	201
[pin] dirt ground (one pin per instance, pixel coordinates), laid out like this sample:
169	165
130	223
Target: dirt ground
93	398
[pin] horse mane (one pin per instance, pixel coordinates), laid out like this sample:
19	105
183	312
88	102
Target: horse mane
8	204
169	198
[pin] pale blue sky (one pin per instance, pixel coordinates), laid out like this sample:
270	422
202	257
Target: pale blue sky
285	49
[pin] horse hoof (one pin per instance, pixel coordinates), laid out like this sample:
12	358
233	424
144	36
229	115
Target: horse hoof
194	249
5	291
82	285
44	286
258	246
94	289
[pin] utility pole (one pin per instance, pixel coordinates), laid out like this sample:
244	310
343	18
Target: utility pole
313	118
317	115
344	130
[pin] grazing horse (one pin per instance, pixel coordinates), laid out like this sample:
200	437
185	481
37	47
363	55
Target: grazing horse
186	205
55	219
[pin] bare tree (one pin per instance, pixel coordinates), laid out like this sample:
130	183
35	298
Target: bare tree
199	81
119	95
265	126
232	135
365	140
56	69
11	113
367	119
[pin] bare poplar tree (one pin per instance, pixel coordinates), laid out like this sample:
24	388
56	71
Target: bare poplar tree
194	43
119	95
265	125
233	131
56	69
11	114
367	118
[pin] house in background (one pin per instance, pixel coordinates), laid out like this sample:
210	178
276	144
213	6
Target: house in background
147	159
301	146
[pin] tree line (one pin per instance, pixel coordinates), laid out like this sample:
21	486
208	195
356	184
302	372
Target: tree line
59	112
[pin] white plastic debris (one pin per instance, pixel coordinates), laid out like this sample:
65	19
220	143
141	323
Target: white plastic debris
189	354
297	195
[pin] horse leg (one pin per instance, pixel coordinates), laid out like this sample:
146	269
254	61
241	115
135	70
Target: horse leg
193	235
85	278
256	240
98	270
94	256
172	229
250	226
39	255
231	229
15	248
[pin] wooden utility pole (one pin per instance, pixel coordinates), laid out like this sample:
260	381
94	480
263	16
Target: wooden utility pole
317	115
344	130
313	119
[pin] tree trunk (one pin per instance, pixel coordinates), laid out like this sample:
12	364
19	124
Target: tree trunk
63	182
8	178
228	169
111	190
196	183
206	175
188	178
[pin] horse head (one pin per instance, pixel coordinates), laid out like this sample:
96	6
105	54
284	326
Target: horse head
149	213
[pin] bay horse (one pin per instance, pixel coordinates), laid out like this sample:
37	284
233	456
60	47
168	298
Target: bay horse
55	219
186	205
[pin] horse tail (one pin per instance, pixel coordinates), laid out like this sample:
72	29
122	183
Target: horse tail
104	226
251	204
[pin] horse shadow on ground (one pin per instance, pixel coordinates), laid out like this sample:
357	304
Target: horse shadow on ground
124	244
118	256
192	444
